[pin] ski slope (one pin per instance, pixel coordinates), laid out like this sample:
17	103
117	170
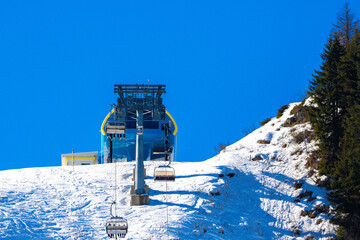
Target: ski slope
226	197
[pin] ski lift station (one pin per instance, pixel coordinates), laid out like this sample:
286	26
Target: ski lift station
119	130
137	128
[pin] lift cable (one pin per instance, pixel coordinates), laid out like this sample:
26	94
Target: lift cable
115	195
175	149
166	195
167	209
115	187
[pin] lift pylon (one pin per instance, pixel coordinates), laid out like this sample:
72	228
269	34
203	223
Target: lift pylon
142	103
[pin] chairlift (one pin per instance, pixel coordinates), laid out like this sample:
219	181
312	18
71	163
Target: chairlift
164	173
116	227
115	129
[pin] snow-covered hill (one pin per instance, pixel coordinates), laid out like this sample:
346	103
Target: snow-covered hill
230	196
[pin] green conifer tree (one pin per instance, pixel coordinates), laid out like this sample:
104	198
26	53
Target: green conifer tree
350	74
325	115
345	183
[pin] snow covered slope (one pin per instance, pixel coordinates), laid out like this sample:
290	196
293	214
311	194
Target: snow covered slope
229	196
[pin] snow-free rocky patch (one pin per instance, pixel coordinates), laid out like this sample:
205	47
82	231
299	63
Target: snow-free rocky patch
226	197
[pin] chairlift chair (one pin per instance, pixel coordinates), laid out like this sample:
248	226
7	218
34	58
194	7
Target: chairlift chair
164	173
113	130
116	227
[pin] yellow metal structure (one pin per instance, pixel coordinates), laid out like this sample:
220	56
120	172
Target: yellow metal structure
113	110
172	119
106	118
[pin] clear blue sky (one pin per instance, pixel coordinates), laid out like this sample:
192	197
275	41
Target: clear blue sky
227	66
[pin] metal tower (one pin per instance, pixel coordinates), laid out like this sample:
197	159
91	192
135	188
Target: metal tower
141	103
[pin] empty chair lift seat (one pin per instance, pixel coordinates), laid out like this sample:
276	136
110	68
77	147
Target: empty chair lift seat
164	173
116	227
115	129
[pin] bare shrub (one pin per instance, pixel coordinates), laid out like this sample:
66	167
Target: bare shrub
309	135
311	198
298	184
313	214
265	121
299	109
303	135
298	151
220	148
322	183
312	161
281	111
301	95
257	158
215	193
230	175
299	116
248	130
299	137
311	172
304	213
323	208
305	194
290	122
295	230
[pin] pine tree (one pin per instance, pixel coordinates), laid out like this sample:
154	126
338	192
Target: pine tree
325	115
346	179
335	118
345	25
350	74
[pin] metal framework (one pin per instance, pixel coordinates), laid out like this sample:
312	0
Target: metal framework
140	103
139	97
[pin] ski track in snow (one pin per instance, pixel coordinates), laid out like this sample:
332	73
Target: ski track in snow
256	203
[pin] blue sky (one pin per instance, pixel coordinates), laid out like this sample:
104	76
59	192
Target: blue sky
227	65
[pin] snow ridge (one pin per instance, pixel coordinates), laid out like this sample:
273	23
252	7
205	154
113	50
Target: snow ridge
230	196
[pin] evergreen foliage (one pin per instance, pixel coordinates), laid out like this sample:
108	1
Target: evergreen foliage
350	74
346	179
335	117
326	90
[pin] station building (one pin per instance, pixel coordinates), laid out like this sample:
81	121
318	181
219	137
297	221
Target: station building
158	138
83	158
